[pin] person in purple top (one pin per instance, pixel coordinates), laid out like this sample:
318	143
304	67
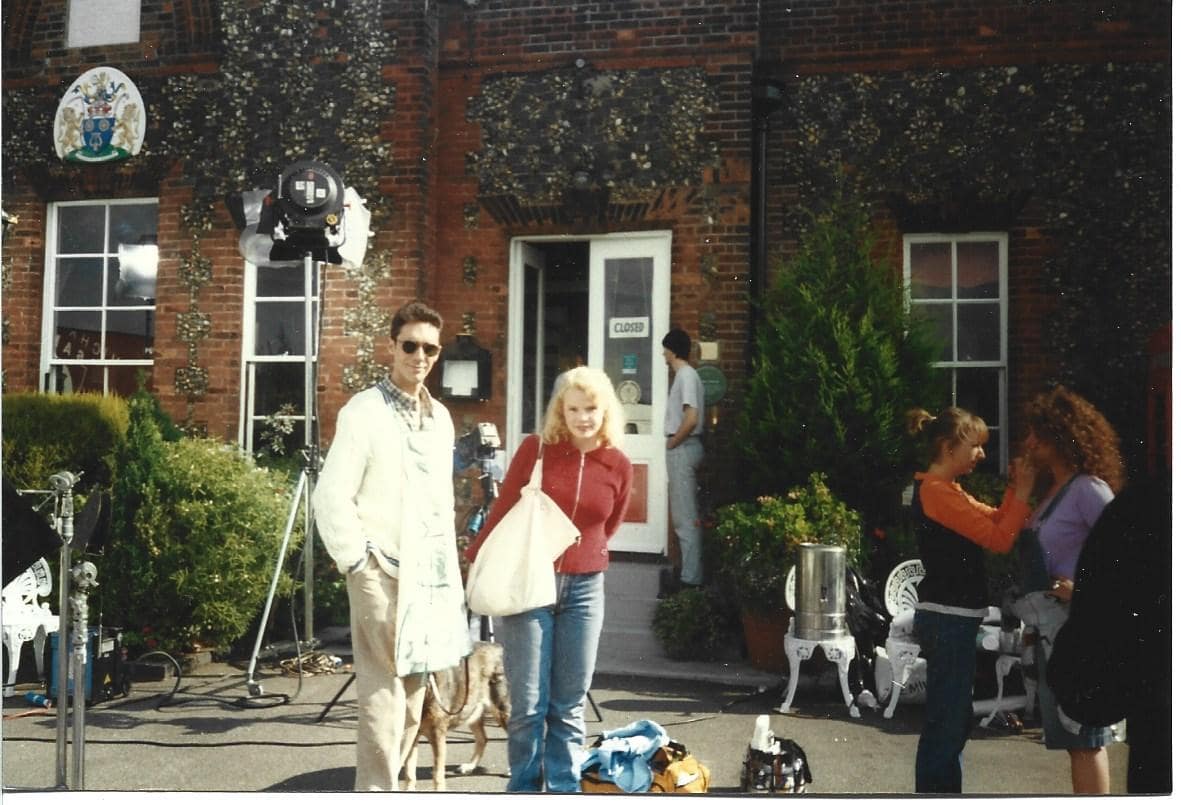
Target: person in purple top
1076	453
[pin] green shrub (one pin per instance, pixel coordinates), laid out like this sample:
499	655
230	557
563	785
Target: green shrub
692	624
45	434
838	362
758	541
196	529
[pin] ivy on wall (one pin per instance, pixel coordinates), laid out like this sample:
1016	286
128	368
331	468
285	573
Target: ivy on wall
295	81
629	133
965	149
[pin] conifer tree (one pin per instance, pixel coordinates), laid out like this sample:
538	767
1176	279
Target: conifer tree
838	361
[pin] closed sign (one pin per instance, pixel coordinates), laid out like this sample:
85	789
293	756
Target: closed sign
628	328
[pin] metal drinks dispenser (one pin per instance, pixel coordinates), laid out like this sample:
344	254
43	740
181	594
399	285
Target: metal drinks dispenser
820	593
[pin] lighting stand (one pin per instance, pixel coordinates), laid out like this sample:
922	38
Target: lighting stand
303	489
74	602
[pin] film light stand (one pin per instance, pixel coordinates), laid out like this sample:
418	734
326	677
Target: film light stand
303	491
72	599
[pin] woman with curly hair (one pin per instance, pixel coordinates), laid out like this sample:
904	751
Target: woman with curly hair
1076	453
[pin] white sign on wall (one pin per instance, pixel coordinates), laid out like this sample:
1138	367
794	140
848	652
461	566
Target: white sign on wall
634	327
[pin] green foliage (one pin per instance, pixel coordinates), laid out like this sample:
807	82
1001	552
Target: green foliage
195	532
49	433
1084	139
693	624
838	362
757	542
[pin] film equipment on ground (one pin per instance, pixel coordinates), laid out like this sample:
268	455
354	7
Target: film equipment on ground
308	217
74	584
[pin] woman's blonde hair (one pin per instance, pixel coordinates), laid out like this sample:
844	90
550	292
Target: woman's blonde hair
595	384
953	426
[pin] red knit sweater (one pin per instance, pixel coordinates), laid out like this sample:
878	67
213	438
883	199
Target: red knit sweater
592	489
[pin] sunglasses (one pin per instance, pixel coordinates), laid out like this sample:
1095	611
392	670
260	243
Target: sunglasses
410	347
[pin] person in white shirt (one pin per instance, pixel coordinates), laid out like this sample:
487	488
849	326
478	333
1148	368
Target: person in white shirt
684	422
385	509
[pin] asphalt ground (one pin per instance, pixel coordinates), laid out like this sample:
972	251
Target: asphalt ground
211	736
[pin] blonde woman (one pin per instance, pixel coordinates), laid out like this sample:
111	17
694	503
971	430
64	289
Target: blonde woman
953	530
550	652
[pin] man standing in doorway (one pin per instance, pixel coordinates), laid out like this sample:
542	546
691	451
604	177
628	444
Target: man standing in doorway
684	421
385	509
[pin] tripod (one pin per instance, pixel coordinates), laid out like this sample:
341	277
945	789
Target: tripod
303	488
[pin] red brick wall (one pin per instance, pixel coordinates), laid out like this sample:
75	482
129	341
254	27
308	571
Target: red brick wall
822	35
499	37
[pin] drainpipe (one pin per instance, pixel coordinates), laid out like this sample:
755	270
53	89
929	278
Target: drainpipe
766	98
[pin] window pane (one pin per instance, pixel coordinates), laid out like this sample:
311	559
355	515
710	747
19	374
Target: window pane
80	229
122	380
978	270
978	390
979	332
75	379
284	281
930	270
276	384
132	225
263	432
132	276
279	330
129	334
79	282
940	317
78	335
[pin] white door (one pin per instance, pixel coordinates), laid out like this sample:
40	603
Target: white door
629	300
625	299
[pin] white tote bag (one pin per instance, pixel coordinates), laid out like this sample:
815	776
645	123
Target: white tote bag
514	570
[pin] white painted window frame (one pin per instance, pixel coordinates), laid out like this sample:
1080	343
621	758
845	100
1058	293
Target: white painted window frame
1000	441
49	307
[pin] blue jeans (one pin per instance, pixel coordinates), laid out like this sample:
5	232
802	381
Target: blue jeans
949	646
549	658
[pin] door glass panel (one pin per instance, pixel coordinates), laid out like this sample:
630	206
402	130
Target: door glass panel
627	353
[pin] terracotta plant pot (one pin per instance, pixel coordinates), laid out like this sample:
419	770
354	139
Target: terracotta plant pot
764	633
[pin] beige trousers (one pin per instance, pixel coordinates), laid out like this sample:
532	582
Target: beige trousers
389	706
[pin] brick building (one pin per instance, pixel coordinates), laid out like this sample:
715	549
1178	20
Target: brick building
566	180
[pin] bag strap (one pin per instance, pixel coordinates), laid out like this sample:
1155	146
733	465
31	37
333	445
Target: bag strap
1057	499
535	477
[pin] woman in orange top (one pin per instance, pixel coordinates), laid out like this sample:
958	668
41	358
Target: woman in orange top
953	530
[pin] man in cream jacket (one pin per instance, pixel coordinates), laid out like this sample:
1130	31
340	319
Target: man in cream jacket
384	506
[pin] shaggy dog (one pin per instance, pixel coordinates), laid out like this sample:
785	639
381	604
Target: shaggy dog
460	697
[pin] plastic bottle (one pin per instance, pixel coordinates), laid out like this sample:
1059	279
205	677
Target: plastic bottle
762	740
38	699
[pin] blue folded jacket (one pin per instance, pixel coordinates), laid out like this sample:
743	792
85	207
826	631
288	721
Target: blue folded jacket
622	755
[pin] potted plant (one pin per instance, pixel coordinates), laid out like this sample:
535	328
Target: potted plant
758	541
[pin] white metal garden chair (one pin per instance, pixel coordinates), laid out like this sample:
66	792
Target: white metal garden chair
24	618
